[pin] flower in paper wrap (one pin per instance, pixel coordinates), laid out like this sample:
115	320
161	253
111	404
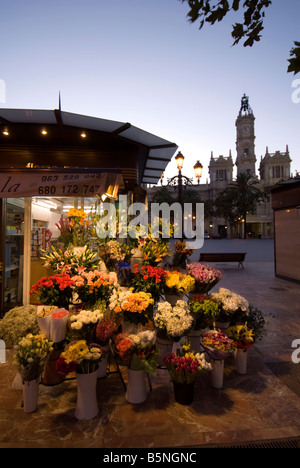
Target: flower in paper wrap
138	351
31	354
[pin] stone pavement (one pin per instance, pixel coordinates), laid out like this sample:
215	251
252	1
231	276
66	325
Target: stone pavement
262	405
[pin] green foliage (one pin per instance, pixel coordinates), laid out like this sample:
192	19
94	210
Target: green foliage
240	197
204	311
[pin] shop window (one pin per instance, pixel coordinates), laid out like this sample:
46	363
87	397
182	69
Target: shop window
14	253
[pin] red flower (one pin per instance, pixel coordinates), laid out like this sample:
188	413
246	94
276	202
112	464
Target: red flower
63	368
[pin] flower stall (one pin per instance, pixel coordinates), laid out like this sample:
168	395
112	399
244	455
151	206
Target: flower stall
163	320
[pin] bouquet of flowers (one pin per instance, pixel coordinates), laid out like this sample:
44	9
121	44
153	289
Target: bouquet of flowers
241	335
206	277
53	322
58	327
134	307
79	357
230	303
173	322
18	322
74	229
93	286
253	318
204	310
79	226
105	329
112	252
177	283
217	345
54	290
185	366
138	351
68	261
153	250
149	279
66	234
181	254
84	324
31	354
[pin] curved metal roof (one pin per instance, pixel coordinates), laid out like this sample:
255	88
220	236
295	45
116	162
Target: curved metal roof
158	150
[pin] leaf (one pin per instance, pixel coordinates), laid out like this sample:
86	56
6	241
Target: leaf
294	65
235	5
237	32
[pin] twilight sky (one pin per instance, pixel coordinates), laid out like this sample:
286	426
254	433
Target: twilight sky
141	61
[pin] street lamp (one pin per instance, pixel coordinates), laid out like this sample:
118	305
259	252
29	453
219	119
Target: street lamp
179	158
179	179
182	179
198	171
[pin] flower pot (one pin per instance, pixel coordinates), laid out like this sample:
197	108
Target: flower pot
30	395
223	326
113	277
240	360
184	392
136	387
102	267
102	366
165	346
86	404
51	376
195	338
217	373
17	382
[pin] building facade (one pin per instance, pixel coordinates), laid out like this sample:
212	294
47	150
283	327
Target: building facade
273	167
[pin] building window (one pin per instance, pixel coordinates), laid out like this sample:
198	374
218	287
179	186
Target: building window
221	175
277	172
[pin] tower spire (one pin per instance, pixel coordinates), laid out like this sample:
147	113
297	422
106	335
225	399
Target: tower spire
245	108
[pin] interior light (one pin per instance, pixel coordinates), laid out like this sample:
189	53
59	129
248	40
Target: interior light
5	132
45	204
112	185
44	132
83	135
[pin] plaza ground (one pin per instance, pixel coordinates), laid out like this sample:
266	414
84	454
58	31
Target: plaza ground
261	406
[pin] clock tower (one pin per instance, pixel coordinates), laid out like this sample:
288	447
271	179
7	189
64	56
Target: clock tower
245	148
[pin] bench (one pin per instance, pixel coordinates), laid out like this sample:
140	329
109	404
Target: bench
223	257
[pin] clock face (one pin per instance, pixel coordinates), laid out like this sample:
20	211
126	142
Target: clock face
246	130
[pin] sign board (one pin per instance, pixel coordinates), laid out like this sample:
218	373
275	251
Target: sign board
64	182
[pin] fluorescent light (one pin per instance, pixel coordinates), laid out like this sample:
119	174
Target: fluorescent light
45	204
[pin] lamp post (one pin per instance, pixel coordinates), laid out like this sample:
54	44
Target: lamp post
179	163
180	179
